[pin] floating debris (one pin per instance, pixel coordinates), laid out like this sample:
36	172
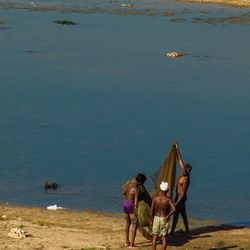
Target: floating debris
3	216
54	207
127	5
174	54
18	233
65	22
50	185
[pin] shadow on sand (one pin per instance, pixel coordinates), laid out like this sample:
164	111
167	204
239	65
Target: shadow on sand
202	232
182	238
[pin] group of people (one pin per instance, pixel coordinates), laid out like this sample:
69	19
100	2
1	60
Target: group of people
162	206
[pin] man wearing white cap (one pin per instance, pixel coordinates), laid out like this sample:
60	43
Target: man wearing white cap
161	210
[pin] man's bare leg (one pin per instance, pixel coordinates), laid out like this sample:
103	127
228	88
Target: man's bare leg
175	219
133	231
154	241
164	242
127	226
185	218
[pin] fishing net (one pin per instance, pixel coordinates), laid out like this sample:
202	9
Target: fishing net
165	173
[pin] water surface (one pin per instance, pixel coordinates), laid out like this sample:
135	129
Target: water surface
92	104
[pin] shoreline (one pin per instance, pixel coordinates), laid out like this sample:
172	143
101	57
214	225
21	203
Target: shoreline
119	9
226	3
68	229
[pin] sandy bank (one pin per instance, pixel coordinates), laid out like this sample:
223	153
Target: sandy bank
232	3
88	230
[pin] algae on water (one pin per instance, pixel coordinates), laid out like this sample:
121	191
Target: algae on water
65	22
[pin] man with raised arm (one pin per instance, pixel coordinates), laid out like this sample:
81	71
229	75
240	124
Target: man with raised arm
161	210
181	193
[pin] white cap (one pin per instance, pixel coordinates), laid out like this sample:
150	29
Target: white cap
164	186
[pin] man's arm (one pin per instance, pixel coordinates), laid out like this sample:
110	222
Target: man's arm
172	210
136	198
179	158
125	188
152	210
146	197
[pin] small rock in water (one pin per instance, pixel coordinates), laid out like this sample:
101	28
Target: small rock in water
174	54
65	22
50	185
128	5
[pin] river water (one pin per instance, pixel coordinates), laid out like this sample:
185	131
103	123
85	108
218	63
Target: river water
91	105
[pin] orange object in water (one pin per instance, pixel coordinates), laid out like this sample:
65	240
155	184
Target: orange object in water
175	54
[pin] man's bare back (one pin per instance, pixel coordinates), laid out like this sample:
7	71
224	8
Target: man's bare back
161	210
131	191
163	206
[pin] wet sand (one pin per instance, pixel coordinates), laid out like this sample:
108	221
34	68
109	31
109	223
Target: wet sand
64	229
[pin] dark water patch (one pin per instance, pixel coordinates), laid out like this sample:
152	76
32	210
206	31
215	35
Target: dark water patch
202	56
241	223
33	51
65	22
8	5
204	11
4	28
2	25
186	11
168	13
243	20
150	12
47	126
179	20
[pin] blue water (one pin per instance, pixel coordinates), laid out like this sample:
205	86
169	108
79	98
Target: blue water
90	105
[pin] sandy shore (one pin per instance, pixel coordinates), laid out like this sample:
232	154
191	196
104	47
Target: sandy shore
232	3
77	230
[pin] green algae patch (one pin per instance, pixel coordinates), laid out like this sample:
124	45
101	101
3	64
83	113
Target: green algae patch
65	22
2	22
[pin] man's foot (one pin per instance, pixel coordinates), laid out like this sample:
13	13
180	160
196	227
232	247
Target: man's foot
171	234
133	247
127	244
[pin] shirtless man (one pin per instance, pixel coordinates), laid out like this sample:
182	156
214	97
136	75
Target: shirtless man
161	210
130	204
181	193
142	191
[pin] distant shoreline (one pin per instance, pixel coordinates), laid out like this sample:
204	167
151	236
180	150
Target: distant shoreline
117	9
228	3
